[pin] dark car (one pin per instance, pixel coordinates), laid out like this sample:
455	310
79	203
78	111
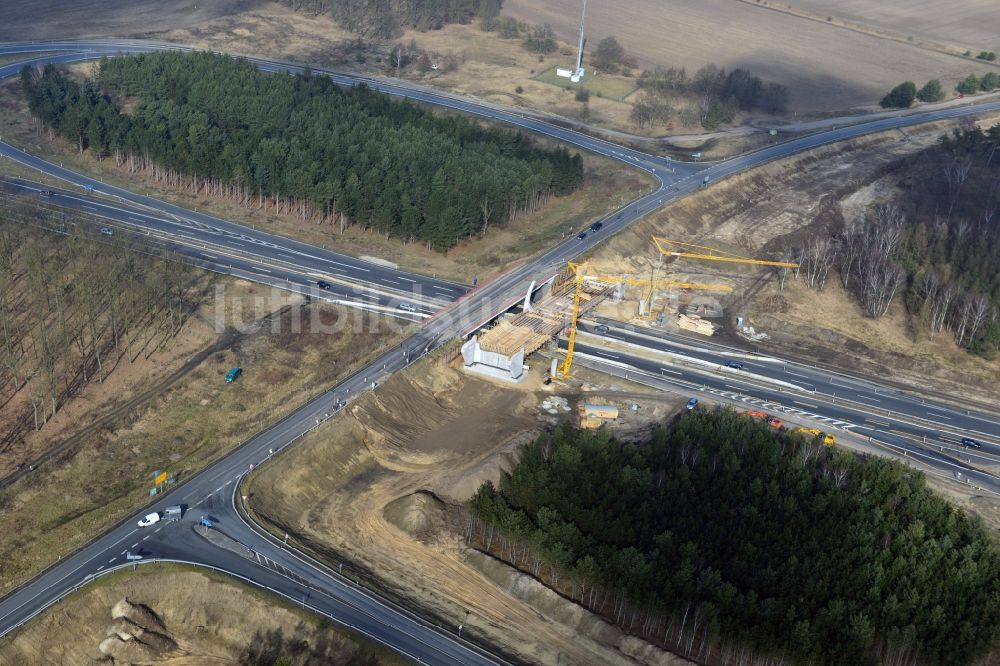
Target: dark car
323	284
735	365
581	235
692	403
596	226
601	329
968	441
47	193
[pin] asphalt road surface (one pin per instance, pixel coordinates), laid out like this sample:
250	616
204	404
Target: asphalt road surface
209	493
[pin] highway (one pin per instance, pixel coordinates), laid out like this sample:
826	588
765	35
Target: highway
834	401
358	284
210	493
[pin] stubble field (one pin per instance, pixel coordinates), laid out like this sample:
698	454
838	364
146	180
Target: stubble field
970	24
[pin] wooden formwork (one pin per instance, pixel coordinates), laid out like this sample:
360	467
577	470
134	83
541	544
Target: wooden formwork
531	330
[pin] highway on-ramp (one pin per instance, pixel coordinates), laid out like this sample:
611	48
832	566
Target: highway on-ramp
210	493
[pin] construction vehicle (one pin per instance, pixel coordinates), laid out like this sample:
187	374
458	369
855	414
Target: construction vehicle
754	415
580	276
665	246
775	422
828	438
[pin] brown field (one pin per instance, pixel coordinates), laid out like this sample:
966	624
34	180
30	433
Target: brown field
54	19
969	24
826	67
211	617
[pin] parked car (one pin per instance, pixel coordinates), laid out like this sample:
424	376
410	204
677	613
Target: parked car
692	403
323	284
735	365
968	441
149	519
775	422
409	307
581	235
596	226
233	374
107	231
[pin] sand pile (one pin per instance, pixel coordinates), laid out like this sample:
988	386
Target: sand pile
136	635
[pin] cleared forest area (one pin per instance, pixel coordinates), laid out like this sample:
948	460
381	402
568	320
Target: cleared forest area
75	306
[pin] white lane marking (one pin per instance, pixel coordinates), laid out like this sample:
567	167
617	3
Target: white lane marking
605	354
89	207
789	372
137	543
940	416
143	538
407	279
673	372
868	397
111	560
100	567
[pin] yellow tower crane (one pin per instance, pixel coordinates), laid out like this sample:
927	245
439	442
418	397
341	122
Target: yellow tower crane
579	270
665	246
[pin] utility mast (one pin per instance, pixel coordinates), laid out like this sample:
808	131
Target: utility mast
576	73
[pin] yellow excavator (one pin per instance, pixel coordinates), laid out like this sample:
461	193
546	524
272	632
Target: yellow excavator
828	439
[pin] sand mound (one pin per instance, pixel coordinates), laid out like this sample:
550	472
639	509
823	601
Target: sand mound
419	514
136	636
139	614
128	652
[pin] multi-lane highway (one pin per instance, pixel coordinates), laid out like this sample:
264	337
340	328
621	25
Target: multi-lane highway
210	493
836	401
225	247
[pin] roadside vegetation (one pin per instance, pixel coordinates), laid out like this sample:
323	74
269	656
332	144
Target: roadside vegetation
304	145
724	540
903	95
936	245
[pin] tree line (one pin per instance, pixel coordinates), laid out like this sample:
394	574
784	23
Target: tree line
72	308
387	18
302	145
720	94
903	95
730	543
937	245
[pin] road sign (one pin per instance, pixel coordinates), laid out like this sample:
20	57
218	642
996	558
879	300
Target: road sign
160	478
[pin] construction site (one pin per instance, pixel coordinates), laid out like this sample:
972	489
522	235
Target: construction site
575	292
